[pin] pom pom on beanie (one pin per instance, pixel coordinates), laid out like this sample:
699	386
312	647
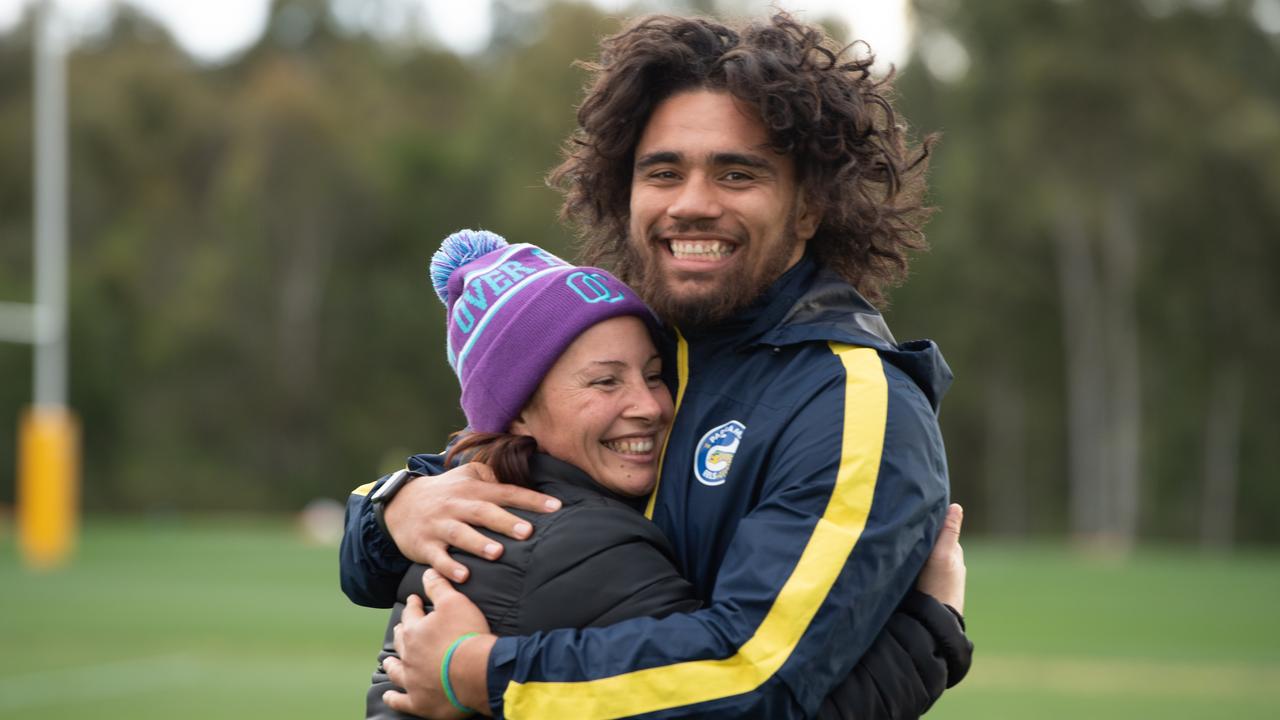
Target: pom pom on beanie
457	250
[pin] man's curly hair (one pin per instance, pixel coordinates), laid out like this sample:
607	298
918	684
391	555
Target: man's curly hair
819	105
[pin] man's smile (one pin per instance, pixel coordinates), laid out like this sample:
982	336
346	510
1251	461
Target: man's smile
701	249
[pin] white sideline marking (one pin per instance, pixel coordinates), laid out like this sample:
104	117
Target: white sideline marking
112	679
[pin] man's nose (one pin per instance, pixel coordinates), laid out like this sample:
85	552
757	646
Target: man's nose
696	200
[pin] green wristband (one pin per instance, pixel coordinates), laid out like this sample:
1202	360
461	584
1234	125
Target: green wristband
444	675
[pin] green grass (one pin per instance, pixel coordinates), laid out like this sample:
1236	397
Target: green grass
1167	634
242	619
203	620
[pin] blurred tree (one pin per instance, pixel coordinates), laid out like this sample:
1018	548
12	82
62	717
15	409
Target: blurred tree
250	328
252	325
1086	128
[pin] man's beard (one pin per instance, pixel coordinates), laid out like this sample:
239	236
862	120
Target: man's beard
732	291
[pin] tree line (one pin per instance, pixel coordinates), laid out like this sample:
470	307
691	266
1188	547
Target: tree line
252	325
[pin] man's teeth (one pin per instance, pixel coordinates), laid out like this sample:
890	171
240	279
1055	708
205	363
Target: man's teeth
700	249
630	446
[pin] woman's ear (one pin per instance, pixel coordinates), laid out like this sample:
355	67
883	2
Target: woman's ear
527	420
520	426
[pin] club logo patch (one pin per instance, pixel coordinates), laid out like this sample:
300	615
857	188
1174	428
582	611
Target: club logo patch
715	453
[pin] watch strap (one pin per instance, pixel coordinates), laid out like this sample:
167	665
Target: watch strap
385	492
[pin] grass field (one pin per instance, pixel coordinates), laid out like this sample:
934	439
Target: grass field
242	619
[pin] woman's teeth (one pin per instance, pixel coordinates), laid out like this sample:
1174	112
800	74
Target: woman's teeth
630	446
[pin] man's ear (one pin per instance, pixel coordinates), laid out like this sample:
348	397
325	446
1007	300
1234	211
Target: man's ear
807	217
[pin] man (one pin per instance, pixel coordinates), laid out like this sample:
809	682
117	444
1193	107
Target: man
749	184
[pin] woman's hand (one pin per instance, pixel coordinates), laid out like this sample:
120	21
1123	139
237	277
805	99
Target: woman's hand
421	640
434	513
943	575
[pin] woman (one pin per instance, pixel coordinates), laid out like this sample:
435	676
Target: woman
561	386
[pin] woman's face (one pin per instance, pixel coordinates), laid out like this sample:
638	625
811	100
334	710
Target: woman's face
603	407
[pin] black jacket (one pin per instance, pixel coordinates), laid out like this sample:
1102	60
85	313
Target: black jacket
597	561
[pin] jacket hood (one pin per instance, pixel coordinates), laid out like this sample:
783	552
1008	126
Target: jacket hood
829	309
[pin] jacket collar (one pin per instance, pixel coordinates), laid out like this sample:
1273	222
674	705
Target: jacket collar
810	303
806	303
828	308
546	471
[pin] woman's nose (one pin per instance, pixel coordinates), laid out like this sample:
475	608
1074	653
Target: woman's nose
642	404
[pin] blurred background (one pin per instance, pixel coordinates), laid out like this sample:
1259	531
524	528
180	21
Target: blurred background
254	189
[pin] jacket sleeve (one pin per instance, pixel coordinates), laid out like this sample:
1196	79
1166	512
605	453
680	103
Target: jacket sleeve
855	492
920	652
370	565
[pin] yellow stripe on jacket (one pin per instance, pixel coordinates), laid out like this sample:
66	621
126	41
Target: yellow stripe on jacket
682	374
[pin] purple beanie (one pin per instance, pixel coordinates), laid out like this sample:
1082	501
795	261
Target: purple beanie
512	311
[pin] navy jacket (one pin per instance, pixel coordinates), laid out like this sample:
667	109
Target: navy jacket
802	489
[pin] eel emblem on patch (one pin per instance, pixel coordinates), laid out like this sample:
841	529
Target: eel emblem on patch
715	453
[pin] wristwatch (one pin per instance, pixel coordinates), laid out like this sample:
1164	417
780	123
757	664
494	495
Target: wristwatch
388	490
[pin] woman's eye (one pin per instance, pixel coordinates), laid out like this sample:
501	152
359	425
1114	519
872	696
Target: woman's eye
653	380
604	382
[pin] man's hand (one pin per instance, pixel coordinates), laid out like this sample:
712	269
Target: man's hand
943	575
421	641
432	514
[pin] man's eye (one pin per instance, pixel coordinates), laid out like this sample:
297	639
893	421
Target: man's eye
736	176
